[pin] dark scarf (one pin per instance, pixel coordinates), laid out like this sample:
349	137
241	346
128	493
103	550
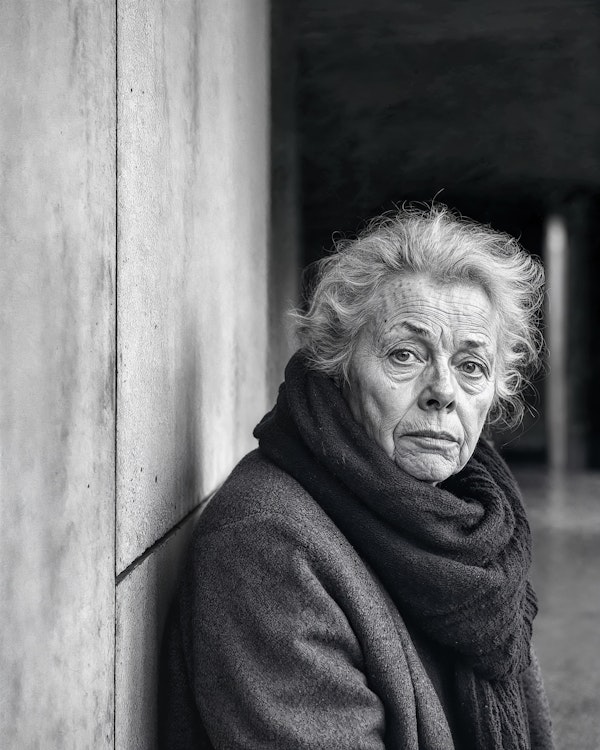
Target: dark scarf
454	557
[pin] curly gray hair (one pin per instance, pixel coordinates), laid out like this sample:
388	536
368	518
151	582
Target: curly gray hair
447	248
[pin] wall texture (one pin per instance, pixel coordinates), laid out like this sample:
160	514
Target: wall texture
199	350
193	230
143	282
57	357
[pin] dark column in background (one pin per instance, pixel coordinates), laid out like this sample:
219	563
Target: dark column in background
580	213
284	247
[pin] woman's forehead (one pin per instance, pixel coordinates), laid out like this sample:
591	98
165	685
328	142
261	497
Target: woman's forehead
418	306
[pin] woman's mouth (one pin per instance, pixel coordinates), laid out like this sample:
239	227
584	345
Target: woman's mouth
432	435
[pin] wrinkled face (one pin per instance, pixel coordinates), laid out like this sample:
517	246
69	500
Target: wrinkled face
422	376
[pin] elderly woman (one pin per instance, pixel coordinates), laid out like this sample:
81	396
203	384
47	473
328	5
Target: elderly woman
360	580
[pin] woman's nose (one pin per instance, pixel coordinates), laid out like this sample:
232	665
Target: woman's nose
439	391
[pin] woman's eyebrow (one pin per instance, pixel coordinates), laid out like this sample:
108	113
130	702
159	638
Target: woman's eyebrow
475	344
470	344
416	329
419	330
478	344
402	327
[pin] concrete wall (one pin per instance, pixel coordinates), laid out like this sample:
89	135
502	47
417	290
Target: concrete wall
193	318
138	253
57	366
193	229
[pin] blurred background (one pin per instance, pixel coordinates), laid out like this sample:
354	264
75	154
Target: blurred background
167	172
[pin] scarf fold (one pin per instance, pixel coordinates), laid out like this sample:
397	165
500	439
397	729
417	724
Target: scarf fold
453	557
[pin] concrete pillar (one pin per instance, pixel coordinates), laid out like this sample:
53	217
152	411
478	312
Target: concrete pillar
192	264
57	364
142	290
192	299
556	249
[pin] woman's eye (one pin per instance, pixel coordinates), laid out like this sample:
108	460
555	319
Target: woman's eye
403	356
472	368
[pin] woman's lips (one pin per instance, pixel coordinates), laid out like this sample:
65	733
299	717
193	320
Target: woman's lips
432	436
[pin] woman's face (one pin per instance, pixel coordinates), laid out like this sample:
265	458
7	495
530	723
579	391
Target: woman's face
423	373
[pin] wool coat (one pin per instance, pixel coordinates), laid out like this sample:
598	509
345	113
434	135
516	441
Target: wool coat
282	637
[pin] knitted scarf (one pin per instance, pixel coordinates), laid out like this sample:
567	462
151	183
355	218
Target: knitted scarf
453	557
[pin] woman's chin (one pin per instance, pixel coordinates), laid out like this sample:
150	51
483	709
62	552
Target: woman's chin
428	468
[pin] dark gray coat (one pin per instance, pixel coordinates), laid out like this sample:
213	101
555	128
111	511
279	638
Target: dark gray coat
281	637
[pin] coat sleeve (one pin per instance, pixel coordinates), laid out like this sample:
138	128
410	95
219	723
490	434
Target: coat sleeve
271	657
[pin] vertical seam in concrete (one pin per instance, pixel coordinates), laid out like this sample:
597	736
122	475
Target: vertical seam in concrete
116	369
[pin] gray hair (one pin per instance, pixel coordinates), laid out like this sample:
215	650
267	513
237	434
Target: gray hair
447	248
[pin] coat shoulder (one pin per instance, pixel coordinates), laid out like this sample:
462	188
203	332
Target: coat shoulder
257	488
